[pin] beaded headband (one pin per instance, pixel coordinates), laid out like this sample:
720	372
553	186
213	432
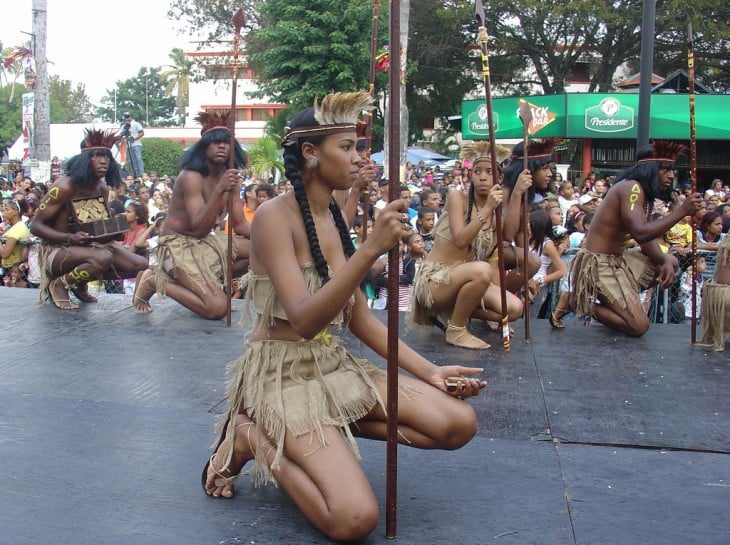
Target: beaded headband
479	151
338	113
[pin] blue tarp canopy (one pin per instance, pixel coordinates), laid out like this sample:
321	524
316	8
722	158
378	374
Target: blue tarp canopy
414	155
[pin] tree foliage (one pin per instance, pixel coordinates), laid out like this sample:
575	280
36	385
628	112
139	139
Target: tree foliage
139	95
265	158
553	35
72	103
711	28
303	50
441	71
161	155
214	16
11	114
177	81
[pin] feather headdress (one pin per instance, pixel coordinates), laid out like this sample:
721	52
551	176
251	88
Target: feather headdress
536	148
479	151
210	121
99	139
664	151
338	112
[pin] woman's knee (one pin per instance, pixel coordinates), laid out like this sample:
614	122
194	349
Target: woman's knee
459	428
638	328
215	309
514	308
354	521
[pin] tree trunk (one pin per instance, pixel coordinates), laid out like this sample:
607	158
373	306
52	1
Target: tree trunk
42	113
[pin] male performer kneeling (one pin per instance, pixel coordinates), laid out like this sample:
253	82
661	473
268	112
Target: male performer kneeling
69	260
192	259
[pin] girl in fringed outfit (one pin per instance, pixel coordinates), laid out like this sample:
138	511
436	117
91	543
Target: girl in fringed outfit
297	398
457	280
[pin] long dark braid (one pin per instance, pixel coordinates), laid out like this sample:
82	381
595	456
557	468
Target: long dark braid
291	168
470	205
347	244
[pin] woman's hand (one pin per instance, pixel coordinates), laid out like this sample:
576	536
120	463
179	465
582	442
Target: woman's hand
524	181
466	386
495	198
391	225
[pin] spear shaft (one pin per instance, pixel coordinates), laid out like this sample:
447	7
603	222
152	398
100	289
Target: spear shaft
394	112
526	117
238	22
483	37
693	174
369	126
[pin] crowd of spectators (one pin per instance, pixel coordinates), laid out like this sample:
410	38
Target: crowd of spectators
558	223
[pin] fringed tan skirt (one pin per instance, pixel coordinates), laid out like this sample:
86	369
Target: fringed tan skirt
422	300
617	278
300	387
203	260
715	314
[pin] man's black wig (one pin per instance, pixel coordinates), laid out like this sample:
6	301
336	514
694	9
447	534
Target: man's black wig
539	153
78	167
649	161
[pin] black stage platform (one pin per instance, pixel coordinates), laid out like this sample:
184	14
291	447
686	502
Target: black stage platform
586	437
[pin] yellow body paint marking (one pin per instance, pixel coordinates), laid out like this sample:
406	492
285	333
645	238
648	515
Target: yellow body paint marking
635	192
52	194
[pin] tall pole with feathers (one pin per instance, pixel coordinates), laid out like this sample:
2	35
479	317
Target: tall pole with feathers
238	21
693	173
369	126
483	37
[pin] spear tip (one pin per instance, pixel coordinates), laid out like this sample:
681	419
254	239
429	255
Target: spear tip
239	20
481	17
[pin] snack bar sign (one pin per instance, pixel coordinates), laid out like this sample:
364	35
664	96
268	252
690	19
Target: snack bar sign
547	113
609	116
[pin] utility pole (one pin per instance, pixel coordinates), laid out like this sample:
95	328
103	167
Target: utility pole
42	108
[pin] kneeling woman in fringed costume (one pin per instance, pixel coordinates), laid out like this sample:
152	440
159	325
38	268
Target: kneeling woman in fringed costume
715	314
459	279
296	397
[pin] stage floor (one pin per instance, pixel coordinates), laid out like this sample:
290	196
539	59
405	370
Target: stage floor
586	437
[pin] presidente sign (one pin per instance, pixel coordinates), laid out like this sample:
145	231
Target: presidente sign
599	115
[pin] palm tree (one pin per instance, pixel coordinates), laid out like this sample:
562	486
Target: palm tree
178	78
264	158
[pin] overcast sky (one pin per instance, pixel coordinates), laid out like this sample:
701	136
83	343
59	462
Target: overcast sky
97	42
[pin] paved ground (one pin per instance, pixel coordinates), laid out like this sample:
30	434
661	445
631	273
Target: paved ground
586	437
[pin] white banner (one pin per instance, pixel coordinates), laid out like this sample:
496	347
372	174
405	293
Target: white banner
28	126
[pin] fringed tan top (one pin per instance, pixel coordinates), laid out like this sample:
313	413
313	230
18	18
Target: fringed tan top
483	245
262	300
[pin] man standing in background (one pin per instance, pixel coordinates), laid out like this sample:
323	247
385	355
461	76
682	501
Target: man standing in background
134	141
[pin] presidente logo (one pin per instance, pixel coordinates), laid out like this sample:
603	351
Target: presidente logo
479	121
609	116
541	117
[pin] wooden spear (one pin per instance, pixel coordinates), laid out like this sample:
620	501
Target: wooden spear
692	173
483	37
394	112
526	117
238	21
